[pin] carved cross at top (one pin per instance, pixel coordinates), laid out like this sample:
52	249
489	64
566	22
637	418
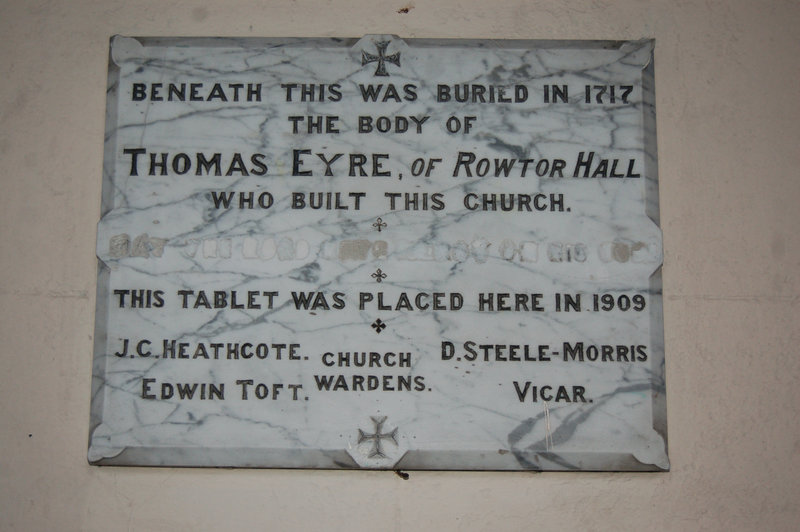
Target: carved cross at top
377	436
381	58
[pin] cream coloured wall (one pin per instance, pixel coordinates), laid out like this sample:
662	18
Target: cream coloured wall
728	100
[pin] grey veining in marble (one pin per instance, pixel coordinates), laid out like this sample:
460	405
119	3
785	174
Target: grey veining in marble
380	253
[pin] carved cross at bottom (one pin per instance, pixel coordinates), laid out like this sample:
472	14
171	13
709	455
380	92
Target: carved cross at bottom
377	436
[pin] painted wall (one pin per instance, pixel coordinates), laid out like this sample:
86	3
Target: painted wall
728	99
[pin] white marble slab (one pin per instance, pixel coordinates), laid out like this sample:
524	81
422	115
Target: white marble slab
480	269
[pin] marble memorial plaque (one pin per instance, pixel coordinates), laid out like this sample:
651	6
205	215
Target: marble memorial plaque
380	253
